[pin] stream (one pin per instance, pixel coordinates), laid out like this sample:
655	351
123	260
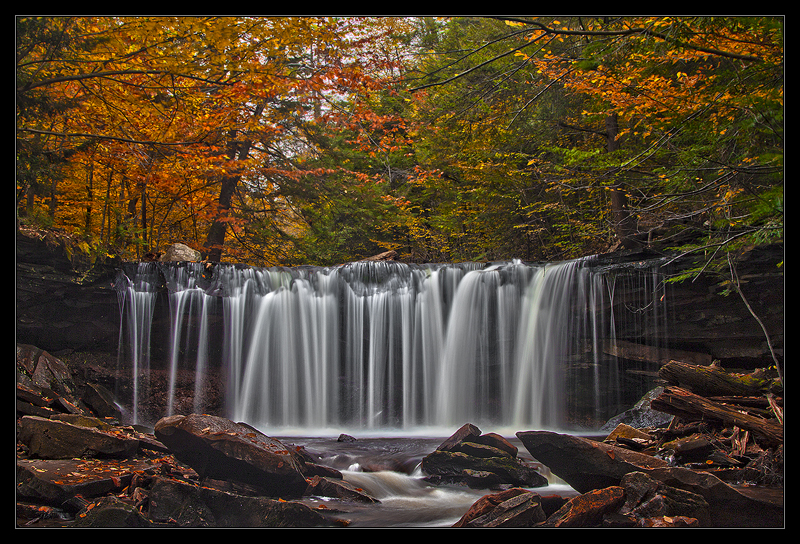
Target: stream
387	468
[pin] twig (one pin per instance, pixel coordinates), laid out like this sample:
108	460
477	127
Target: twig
735	280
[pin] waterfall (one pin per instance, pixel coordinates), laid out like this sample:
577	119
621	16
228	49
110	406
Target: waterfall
189	303
386	345
137	303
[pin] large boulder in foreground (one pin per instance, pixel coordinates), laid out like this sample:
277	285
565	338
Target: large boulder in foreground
53	439
220	449
59	482
587	465
177	503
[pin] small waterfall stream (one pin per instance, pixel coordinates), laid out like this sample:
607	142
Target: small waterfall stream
391	346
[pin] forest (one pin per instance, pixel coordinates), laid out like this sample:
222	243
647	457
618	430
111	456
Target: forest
283	141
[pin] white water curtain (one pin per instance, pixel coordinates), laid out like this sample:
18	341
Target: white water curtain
387	345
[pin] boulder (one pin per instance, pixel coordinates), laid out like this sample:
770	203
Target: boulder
479	461
218	448
585	464
641	415
111	512
496	441
46	387
180	252
467	432
481	450
390	255
588	509
487	503
315	469
646	498
57	482
187	504
40	371
639	501
83	420
101	401
729	506
504	508
52	439
323	486
32	401
631	438
513	508
458	467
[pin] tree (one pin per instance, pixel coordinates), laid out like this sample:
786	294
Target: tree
287	139
184	117
671	126
126	91
475	200
701	101
302	168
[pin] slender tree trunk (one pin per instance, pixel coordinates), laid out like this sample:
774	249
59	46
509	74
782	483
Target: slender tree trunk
87	225
53	199
624	223
106	232
31	196
215	239
143	202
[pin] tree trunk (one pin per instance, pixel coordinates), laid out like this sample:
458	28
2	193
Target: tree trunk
623	222
215	239
713	381
143	218
87	223
652	354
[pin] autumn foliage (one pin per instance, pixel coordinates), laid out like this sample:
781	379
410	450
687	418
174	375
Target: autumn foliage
317	140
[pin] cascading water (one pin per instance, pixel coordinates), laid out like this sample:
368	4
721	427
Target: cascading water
385	345
137	302
189	302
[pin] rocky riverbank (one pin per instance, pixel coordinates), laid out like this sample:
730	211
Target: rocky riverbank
79	465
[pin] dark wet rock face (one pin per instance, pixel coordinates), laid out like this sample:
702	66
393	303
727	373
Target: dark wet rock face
221	449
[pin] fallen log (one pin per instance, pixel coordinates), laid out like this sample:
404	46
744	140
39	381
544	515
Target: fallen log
752	402
390	255
689	406
758	406
653	354
712	381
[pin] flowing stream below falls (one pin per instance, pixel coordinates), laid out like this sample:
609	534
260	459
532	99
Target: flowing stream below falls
387	468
